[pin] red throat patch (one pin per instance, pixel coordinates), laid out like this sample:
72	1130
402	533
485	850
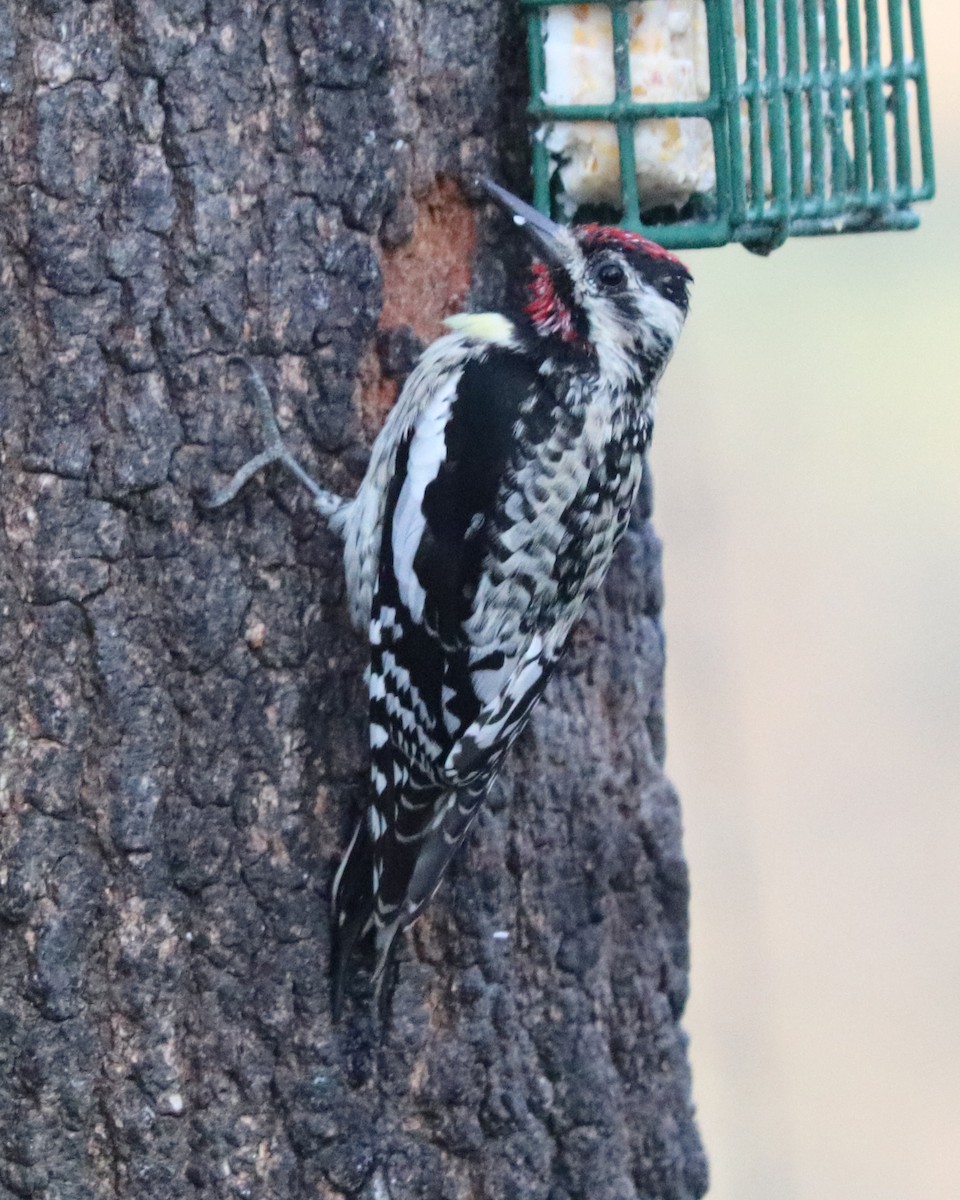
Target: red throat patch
545	309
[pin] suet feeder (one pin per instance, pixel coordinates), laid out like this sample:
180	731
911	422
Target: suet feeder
702	122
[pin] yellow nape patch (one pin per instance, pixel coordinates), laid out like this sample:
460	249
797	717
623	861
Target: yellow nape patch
485	327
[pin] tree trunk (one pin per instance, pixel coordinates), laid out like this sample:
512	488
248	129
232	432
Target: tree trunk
182	697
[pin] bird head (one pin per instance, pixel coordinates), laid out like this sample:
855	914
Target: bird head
600	290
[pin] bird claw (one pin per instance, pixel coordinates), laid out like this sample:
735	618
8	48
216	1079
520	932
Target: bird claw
327	503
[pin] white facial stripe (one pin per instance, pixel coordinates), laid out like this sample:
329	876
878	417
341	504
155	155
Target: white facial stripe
659	314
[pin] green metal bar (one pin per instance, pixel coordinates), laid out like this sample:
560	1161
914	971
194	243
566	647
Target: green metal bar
779	208
858	99
856	222
877	73
685	235
538	84
791	84
901	109
877	105
846	78
625	125
754	110
836	206
838	149
928	183
535	54
813	85
725	124
625	110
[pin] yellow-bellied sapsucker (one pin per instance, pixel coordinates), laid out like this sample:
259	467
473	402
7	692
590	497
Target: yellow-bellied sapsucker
496	494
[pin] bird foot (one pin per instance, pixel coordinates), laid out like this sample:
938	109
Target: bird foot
327	503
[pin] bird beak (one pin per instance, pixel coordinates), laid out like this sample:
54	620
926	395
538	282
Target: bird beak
551	240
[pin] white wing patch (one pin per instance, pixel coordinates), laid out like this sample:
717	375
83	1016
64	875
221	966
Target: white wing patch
360	522
428	449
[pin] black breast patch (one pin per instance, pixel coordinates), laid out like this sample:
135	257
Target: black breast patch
459	502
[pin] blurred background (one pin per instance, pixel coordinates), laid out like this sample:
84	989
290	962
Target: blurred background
807	471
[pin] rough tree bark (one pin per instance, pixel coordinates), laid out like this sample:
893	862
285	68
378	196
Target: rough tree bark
182	697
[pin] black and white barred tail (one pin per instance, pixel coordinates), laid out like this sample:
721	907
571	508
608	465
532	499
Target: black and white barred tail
389	874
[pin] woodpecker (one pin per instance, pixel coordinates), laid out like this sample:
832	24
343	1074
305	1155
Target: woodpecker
496	494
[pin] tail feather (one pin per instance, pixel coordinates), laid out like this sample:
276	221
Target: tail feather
385	883
450	826
352	910
422	865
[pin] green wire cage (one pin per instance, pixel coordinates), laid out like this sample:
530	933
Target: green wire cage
703	122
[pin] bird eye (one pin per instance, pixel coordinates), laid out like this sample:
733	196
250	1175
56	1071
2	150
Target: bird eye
611	275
